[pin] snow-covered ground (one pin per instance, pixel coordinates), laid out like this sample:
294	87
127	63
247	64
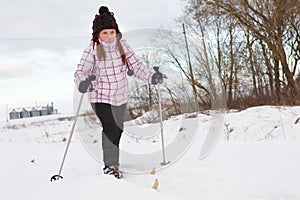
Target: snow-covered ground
256	158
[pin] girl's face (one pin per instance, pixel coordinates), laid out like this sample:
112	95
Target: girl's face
107	35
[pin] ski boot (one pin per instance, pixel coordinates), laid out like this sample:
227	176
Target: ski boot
112	170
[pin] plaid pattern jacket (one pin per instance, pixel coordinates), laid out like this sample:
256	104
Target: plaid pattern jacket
111	85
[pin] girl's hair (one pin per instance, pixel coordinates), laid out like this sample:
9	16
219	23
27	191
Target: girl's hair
101	51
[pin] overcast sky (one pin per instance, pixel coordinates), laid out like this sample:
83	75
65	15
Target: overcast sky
41	43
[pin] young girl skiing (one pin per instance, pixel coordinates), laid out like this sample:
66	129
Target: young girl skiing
102	72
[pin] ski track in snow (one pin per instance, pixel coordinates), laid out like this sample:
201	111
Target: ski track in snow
257	158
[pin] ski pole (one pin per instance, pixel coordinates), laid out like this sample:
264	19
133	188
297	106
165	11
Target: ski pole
161	128
57	177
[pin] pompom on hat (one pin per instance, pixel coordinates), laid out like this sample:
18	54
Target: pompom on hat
104	20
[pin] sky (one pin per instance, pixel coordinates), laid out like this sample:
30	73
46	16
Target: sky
41	43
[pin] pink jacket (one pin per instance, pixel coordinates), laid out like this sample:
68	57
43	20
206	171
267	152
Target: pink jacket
111	85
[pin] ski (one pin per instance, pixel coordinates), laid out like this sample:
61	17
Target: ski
213	136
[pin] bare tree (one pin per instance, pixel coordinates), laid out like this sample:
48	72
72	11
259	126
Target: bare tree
267	20
273	25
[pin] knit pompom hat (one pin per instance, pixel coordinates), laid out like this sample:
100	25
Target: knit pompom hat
104	20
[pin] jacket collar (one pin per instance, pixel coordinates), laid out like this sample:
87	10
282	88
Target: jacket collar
111	44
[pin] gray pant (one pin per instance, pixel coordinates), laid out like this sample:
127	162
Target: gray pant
112	118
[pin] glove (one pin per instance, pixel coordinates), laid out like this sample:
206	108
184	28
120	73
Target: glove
157	77
84	85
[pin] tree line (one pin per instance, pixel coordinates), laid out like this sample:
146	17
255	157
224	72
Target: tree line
238	54
253	44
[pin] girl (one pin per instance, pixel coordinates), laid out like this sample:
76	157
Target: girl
102	69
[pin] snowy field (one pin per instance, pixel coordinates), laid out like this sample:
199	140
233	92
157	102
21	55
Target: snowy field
257	158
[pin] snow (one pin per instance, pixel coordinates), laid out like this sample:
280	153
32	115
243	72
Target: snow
257	158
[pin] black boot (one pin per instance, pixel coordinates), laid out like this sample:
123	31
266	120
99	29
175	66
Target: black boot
112	170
